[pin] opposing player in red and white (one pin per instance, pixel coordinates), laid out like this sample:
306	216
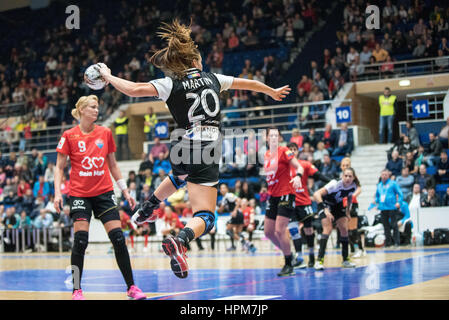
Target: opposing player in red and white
281	187
91	150
303	211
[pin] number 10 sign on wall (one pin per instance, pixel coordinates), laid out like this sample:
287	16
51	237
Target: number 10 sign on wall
343	114
420	108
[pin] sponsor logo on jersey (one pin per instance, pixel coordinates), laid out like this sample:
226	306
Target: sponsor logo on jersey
61	143
99	143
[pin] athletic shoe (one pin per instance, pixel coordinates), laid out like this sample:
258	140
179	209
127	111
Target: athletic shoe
311	261
176	250
252	248
140	217
134	293
348	264
231	249
359	254
299	263
286	271
319	265
78	295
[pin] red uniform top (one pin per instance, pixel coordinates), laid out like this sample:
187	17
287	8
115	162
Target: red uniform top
277	169
89	176
174	219
247	215
302	197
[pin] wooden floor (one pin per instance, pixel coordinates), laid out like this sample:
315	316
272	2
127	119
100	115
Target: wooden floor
405	273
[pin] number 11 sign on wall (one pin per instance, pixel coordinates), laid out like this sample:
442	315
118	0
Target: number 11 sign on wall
420	108
343	114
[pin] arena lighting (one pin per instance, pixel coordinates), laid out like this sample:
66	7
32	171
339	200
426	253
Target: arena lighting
404	83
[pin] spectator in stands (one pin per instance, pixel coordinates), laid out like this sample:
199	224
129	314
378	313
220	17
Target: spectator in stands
343	141
44	220
405	182
445	201
365	55
318	155
121	131
161	163
405	225
356	69
150	121
157	149
419	50
405	147
442	175
412	133
329	168
41	187
160	177
388	199
335	83
395	165
145	194
425	180
444	134
65	223
387	103
311	138
305	84
416	198
433	153
147	163
409	162
49	175
380	54
442	62
215	60
432	199
420	28
297	137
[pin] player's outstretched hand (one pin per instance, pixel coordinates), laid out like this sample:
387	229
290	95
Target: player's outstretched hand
280	93
297	183
104	70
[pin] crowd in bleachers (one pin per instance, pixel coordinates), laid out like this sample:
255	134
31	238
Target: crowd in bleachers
27	194
409	30
46	72
421	167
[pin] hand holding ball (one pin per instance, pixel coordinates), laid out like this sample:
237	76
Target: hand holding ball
93	77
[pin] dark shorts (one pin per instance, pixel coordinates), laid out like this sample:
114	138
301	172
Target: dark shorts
283	206
354	210
104	207
238	219
303	214
338	211
188	161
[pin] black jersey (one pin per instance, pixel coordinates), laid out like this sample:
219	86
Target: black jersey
193	102
336	192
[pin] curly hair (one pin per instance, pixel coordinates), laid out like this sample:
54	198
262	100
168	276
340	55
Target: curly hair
180	51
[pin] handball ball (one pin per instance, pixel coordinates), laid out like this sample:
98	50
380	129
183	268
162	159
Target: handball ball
94	76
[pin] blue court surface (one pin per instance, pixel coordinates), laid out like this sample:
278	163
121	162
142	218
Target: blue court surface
205	284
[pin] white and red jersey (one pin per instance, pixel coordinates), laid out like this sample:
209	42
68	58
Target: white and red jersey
302	197
277	170
89	176
247	215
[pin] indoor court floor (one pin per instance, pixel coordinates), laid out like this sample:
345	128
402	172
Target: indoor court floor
386	274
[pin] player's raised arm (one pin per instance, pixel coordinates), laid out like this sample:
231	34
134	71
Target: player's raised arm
132	89
254	85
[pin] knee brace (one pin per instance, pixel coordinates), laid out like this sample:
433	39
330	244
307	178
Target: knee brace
294	230
178	183
117	239
208	218
80	241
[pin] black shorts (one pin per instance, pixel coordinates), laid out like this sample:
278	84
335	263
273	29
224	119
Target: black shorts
190	162
354	210
338	211
283	206
303	214
104	207
238	219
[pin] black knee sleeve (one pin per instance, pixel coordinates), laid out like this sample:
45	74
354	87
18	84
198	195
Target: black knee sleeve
117	239
208	218
80	241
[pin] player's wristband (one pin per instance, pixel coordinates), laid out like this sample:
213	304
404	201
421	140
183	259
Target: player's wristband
321	206
299	174
122	184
